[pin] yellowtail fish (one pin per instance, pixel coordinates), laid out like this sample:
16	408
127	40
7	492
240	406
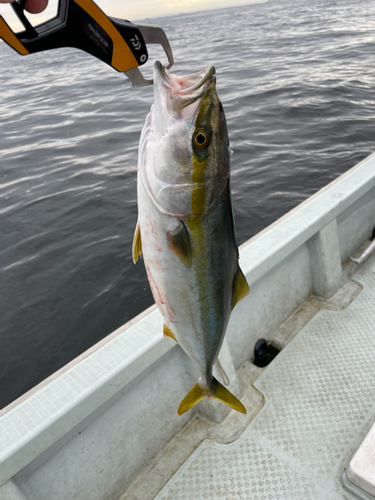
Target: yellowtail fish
185	230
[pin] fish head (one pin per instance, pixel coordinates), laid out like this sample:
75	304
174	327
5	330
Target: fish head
188	146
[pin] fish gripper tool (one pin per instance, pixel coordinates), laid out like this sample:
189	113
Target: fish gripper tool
83	25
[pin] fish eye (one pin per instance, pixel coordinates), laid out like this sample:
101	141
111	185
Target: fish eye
201	139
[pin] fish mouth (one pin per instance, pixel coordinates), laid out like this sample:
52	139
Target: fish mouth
180	92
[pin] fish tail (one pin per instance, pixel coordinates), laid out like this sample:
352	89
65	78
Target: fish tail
216	390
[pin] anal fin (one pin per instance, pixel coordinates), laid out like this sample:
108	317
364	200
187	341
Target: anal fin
240	288
137	243
167	333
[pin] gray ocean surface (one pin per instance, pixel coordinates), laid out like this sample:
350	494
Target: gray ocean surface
297	81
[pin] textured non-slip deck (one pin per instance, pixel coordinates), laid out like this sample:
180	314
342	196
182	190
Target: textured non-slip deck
319	405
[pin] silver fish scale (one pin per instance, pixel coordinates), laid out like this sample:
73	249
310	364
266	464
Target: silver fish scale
320	403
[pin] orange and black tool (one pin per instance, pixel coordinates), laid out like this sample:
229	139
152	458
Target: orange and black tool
83	25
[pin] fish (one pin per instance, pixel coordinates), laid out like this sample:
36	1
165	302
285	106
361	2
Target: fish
185	231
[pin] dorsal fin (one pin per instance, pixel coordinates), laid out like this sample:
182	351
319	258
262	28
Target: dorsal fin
179	242
240	287
168	333
137	243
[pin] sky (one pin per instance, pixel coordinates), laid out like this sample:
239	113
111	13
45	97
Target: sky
140	9
129	9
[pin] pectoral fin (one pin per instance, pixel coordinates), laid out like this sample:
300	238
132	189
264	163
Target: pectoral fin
216	390
240	288
168	333
137	244
179	242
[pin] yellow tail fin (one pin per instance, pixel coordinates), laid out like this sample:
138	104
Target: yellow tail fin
216	390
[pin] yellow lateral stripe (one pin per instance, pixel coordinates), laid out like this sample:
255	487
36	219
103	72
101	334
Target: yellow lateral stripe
198	199
10	38
197	236
199	169
198	176
122	57
200	261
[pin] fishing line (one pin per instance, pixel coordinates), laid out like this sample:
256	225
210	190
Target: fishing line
224	376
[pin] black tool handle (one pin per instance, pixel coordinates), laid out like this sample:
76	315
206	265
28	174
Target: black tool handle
83	25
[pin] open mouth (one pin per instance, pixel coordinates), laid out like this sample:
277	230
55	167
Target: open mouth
184	90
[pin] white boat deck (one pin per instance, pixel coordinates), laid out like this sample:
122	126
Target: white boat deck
319	404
